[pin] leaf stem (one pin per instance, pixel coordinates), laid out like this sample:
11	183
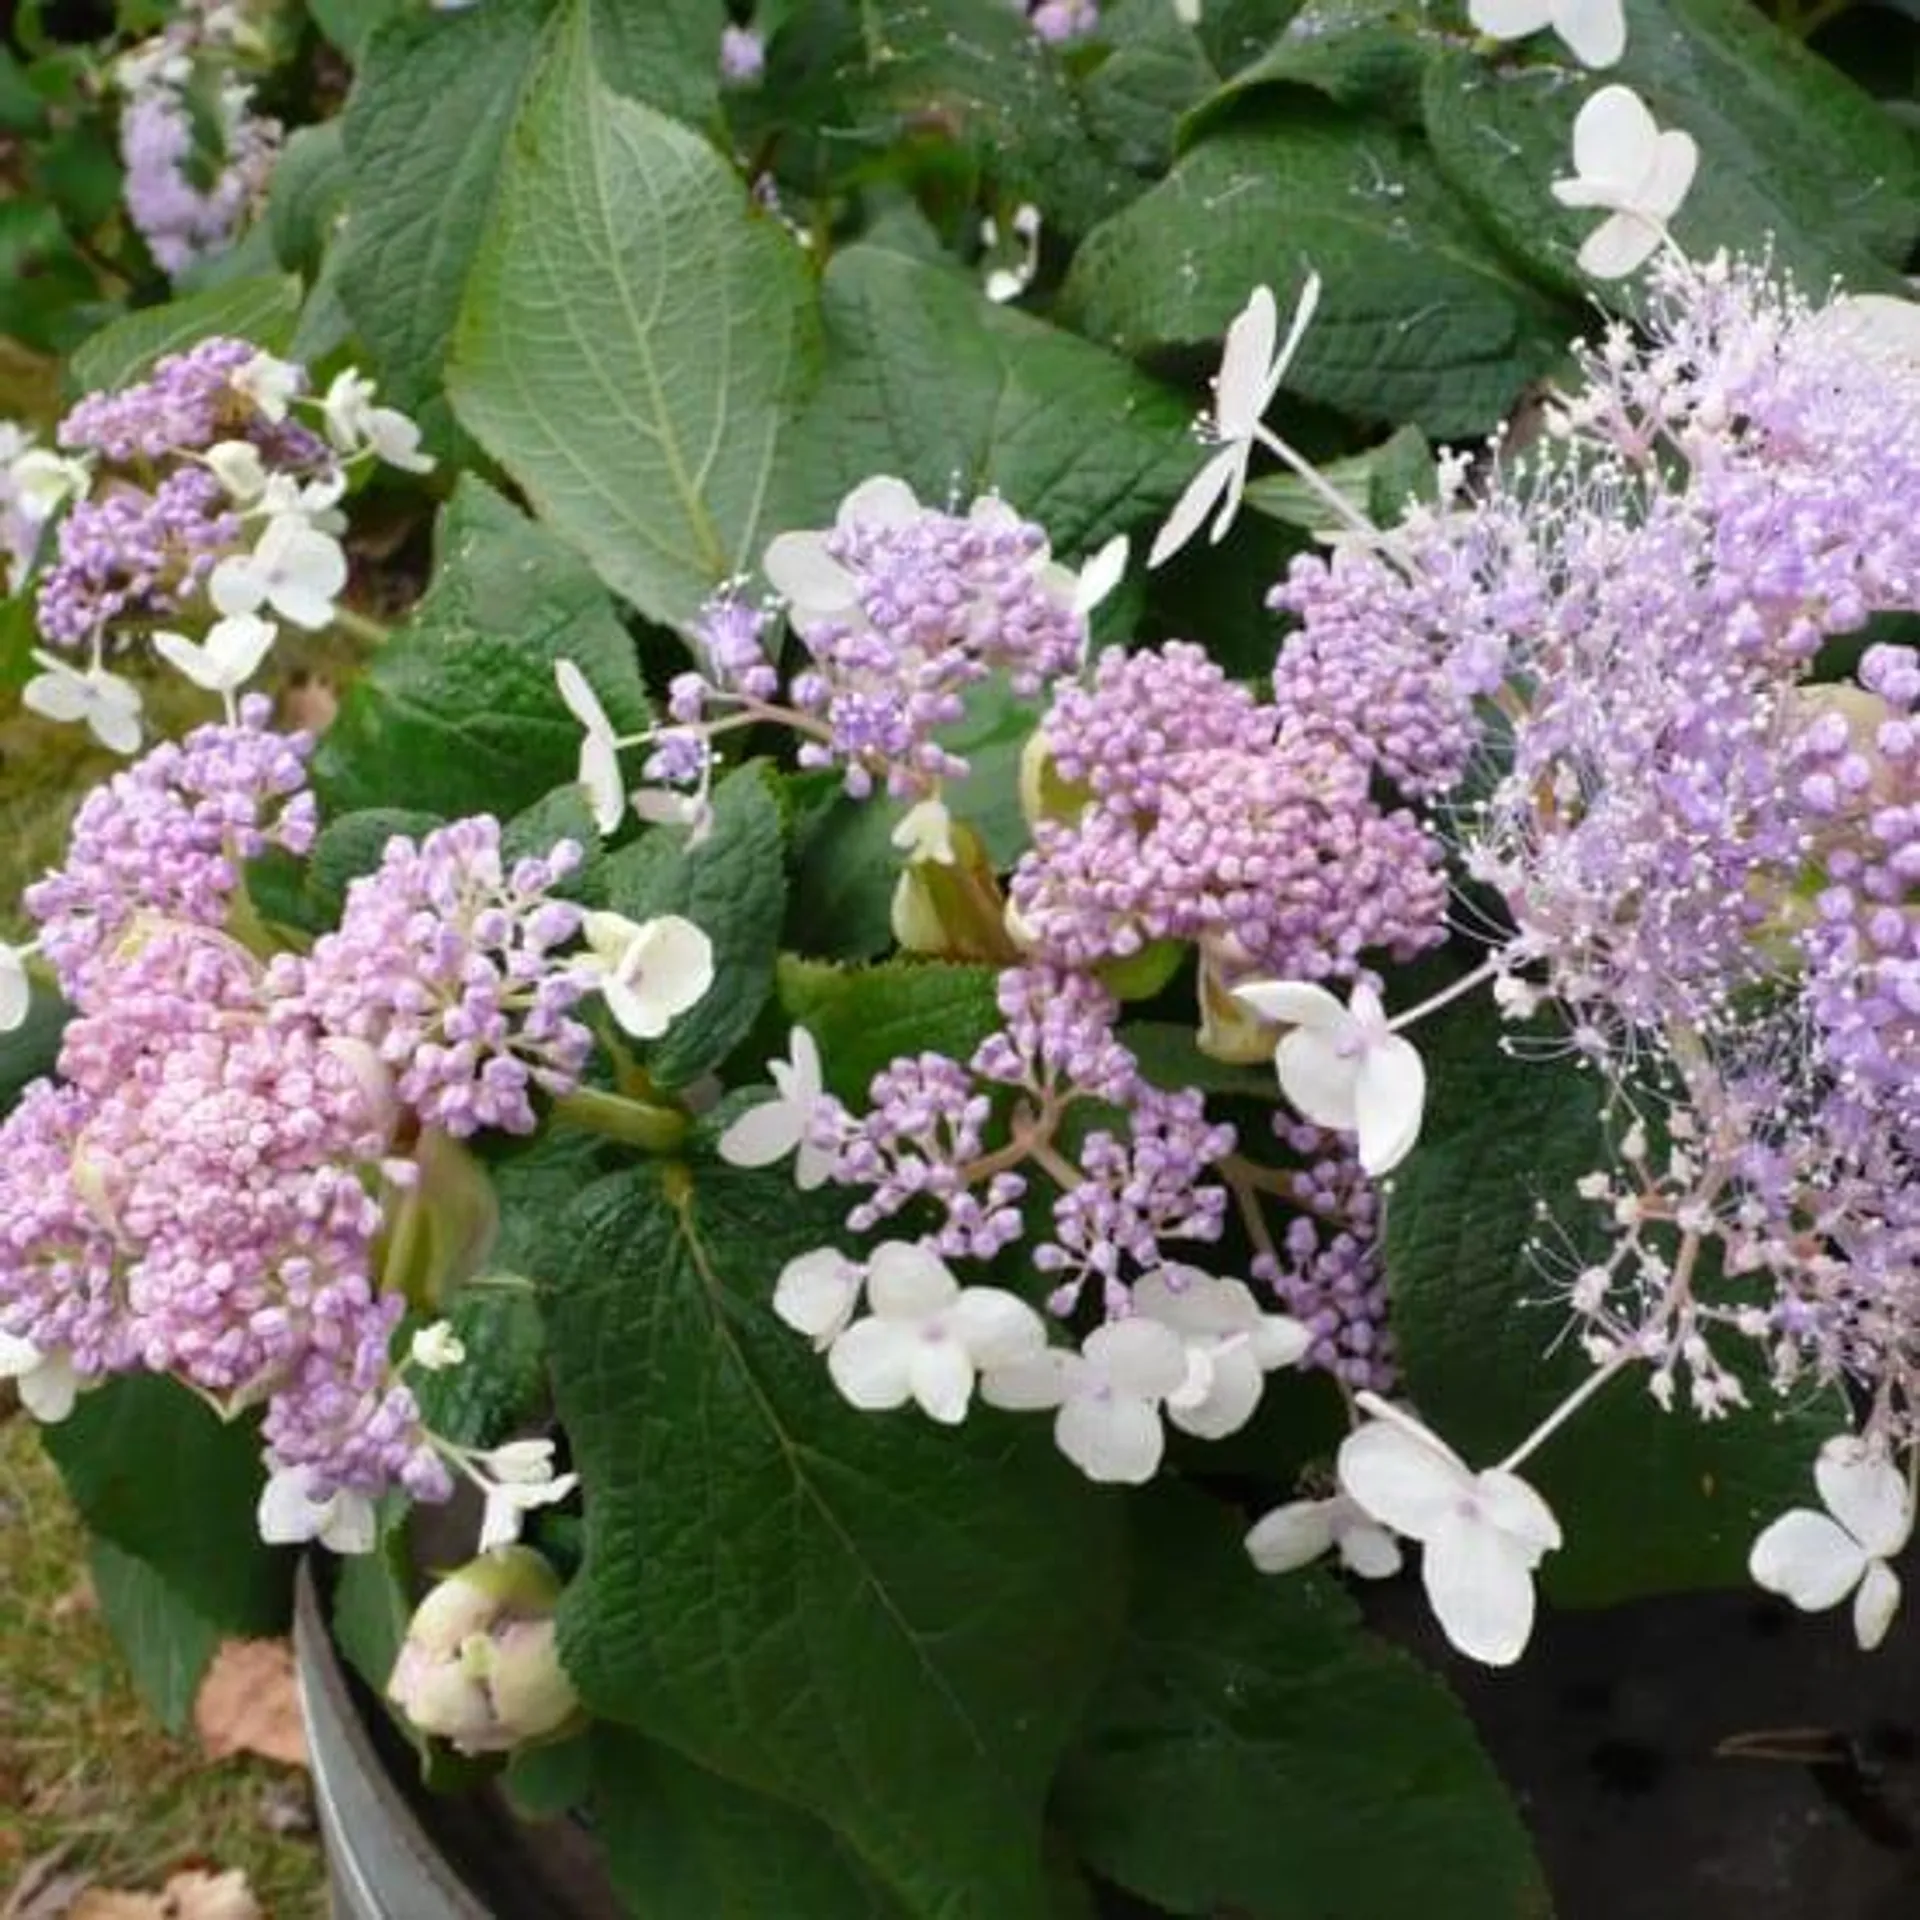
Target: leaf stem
358	626
638	1123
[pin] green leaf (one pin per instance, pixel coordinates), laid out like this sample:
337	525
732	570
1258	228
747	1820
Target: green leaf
30	1050
80	173
890	1625
666	53
425	135
1367	54
1257	1753
373	1605
310	186
864	1017
1169	1058
349	847
1421	319
350	23
458	711
927	379
685	1844
1134	99
1650	1502
166	1644
164	1479
633	337
733	887
1791	154
261	309
503	1379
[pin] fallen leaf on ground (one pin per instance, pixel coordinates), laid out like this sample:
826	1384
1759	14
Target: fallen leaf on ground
43	1892
187	1896
249	1703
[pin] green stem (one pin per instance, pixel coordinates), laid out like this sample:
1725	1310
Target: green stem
357	626
652	1129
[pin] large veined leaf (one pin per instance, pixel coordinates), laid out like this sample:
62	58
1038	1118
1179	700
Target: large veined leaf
425	134
1421	319
261	309
634	336
1257	1753
1791	154
926	379
167	1645
889	1624
1650	1502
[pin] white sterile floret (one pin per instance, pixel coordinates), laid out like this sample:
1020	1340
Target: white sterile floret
517	1478
1816	1559
42	480
925	834
354	422
1108	1395
1297	1534
46	1382
1232	1345
16	993
926	1338
650	972
291	1514
817	589
1481	1534
1250	375
1625	165
599	747
237	465
1594	31
780	1126
226	659
818	1294
109	705
297	570
1005	283
269	383
1344	1067
437	1348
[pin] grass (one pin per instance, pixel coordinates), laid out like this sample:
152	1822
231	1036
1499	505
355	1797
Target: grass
83	1765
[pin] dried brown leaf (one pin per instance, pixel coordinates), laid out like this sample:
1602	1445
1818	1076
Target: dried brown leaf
187	1896
249	1703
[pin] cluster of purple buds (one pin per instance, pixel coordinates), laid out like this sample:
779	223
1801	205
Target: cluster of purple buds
183	215
900	610
211	1189
180	463
1175	805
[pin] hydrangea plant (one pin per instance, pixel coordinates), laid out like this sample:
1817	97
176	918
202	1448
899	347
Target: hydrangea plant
927	1060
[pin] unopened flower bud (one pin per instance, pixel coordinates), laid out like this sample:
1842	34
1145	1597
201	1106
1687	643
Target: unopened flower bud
479	1667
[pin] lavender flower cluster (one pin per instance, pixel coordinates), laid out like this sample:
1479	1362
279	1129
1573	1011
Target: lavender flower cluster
209	1189
1708	858
158	518
183	215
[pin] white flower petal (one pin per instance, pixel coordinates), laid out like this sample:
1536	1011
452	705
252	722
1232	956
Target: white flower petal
59	694
1139	1356
1480	1584
872	1363
1613	139
762	1135
881	501
1043	1380
288	1514
581	700
995	1327
1389	1100
235	585
1875	1605
16	999
1193	506
816	1293
1866	1493
1676	158
350	1525
1513	1506
1366	1549
906	1282
804	1053
1509	19
1233	1389
1617	247
1319	1072
1292	1003
1292	1536
1809	1559
1595	31
941	1376
1117	1441
49	1389
1241	392
599	774
815	586
500	1520
1408	1483
1100	576
1242	452
1303	311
